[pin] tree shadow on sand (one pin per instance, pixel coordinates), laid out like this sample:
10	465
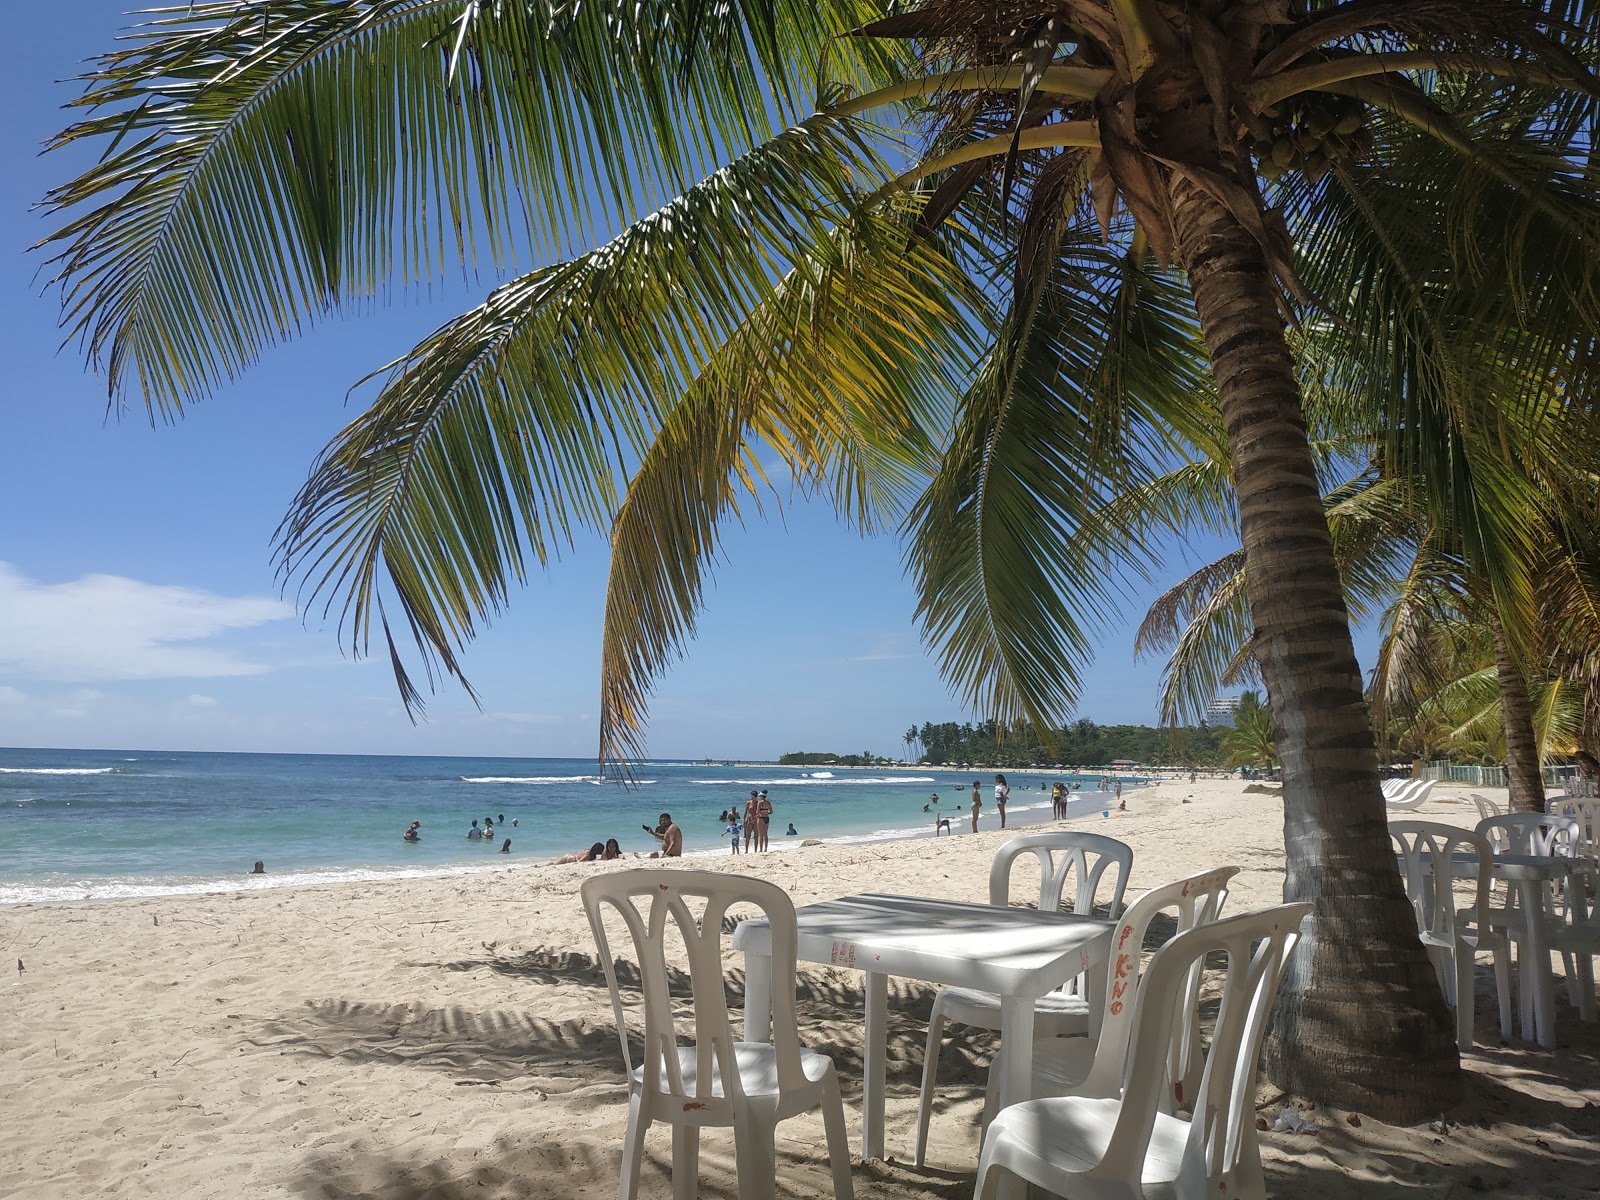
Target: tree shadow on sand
584	1168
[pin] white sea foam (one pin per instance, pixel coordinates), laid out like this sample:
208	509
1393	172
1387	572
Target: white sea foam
812	781
57	770
118	888
530	779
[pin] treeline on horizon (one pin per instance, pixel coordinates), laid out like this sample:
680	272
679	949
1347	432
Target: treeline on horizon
1082	743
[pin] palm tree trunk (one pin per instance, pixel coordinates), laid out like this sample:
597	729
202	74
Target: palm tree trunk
1361	1021
1516	713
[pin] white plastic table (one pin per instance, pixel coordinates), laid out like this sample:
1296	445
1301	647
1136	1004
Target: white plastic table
1528	873
1017	953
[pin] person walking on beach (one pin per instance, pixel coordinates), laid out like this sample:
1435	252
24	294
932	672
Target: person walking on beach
1122	805
1002	793
764	815
1058	800
733	835
977	803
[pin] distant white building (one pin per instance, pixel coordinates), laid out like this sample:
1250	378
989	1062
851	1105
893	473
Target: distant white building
1221	709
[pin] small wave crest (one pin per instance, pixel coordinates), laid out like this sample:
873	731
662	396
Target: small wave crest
813	781
59	770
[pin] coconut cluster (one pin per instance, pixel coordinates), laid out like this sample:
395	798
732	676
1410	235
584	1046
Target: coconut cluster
1307	133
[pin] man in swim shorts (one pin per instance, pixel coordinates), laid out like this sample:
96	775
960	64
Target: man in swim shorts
669	835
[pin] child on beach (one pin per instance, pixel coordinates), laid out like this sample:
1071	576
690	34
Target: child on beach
733	836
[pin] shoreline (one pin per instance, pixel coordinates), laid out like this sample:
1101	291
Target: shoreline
116	889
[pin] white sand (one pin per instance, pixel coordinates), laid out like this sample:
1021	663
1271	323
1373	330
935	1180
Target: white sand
453	1038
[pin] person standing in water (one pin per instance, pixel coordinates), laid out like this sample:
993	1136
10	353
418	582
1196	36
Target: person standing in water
764	816
977	803
1002	792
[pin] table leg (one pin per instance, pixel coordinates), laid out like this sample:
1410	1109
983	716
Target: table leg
1535	982
1016	1050
873	1081
757	997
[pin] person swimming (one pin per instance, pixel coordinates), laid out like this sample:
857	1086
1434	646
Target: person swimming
412	833
506	848
791	831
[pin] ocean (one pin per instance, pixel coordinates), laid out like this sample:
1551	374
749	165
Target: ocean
104	824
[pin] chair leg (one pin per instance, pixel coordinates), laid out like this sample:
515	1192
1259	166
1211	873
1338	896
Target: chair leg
632	1149
755	1156
838	1140
1585	973
930	1073
1569	971
1466	999
685	1162
1502	987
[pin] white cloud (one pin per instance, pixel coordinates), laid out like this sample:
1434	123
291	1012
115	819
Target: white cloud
106	627
11	695
199	701
889	647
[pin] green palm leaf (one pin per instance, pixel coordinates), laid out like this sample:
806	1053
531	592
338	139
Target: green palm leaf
265	163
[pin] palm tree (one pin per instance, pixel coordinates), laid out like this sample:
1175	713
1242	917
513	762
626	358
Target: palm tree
1249	743
265	162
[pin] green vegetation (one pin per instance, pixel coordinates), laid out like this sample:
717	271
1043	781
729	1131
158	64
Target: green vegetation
820	758
1249	743
1081	744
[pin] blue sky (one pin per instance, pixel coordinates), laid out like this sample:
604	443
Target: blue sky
138	604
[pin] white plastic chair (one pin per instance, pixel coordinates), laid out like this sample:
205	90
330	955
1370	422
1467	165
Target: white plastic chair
1406	793
1072	1066
1126	1148
711	1079
1081	858
1586	813
1486	807
1453	936
1531	833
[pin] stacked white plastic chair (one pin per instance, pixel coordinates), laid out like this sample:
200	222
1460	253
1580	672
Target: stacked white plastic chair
1078	1067
1125	1147
1406	793
710	1078
1093	864
1586	812
1571	921
1453	936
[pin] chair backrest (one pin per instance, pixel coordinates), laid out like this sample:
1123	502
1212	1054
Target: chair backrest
1486	807
1083	859
653	904
1531	833
1429	844
1255	949
1586	812
1196	901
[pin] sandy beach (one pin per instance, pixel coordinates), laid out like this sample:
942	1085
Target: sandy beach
453	1038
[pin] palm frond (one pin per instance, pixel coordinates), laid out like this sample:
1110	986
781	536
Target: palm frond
264	164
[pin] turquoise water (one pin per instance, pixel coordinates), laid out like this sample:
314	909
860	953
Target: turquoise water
94	824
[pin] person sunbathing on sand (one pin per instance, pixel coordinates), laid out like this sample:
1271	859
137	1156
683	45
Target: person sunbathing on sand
612	850
593	852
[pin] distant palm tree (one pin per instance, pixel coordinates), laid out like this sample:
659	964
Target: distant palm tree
266	161
1249	743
